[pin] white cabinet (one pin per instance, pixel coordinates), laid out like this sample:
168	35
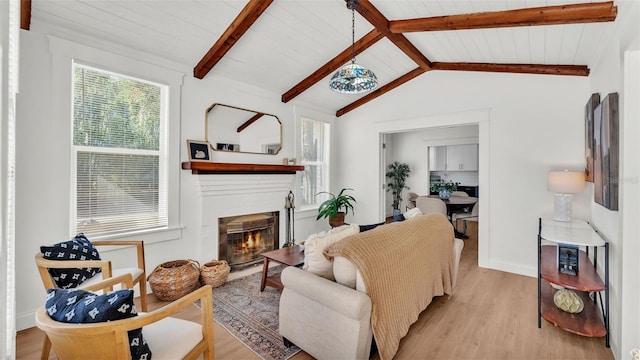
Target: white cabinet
437	158
470	157
462	157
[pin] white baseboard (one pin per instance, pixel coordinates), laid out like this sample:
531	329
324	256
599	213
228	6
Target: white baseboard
513	268
25	320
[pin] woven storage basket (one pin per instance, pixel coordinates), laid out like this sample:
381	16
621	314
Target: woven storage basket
214	273
173	279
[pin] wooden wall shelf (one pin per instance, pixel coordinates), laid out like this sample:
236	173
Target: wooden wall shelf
207	168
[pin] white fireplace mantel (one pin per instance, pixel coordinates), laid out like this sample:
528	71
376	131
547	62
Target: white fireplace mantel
233	195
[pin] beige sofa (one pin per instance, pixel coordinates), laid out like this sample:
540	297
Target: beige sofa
332	319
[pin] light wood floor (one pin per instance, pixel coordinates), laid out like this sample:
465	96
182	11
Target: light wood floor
492	315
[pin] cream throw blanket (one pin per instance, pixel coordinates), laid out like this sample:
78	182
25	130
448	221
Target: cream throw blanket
403	266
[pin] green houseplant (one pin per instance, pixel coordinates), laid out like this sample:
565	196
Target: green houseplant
397	173
444	189
336	207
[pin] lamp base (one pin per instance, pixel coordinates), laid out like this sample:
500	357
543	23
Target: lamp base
562	207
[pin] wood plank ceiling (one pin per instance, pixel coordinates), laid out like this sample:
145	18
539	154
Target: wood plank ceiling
402	48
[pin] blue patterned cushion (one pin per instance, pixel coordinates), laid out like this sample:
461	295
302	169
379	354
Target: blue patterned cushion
78	248
81	306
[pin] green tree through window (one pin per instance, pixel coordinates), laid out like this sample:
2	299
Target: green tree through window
117	132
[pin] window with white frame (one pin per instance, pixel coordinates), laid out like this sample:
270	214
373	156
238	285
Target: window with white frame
315	158
119	170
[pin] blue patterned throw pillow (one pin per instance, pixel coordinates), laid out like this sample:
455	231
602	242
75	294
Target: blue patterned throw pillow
80	306
78	248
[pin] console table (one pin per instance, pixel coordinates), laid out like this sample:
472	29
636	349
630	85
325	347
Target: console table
593	320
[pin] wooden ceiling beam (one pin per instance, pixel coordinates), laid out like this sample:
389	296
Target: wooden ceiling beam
381	90
332	65
547	15
571	70
249	14
380	22
247	123
25	14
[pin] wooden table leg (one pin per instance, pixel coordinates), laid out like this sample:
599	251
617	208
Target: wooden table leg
265	270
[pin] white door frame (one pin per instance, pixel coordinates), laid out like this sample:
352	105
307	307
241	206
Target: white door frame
479	117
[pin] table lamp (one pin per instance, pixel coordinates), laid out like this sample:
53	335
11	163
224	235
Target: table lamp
564	184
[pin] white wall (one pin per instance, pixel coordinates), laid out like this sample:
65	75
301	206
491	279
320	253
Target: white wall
621	227
43	187
529	130
535	124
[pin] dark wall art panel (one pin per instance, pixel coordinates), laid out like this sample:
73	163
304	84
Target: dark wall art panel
593	102
606	152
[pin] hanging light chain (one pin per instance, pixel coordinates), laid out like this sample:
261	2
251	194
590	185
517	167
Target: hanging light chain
353	36
352	5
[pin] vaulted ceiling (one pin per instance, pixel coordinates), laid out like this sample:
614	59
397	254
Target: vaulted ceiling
293	47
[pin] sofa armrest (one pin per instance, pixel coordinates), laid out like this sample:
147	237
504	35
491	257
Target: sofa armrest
325	319
341	299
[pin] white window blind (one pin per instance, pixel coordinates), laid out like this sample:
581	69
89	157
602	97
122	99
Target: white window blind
315	158
118	131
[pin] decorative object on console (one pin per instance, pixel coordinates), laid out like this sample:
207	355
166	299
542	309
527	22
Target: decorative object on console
568	259
353	78
589	145
336	207
290	206
564	184
398	174
567	300
606	152
198	150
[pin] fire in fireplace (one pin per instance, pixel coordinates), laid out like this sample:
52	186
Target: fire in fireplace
242	239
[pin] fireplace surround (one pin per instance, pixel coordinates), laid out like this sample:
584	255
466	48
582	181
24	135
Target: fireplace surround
226	195
243	238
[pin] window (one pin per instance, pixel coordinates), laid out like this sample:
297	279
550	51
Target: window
315	158
119	136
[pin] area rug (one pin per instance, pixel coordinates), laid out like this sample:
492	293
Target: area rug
252	316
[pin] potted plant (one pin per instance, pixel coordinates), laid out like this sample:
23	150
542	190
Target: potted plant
336	207
398	174
444	189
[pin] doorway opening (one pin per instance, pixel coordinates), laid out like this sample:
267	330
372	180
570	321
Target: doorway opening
408	142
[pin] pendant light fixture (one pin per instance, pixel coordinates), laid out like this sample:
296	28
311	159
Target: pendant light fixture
353	78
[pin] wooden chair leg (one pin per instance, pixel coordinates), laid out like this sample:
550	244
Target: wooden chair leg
143	294
46	348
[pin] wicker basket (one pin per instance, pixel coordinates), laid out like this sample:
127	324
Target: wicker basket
214	273
173	279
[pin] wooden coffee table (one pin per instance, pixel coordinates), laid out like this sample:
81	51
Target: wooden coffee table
290	256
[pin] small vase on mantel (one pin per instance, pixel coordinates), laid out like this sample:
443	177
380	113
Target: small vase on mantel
444	194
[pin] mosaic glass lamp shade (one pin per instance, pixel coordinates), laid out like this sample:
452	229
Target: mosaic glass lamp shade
353	78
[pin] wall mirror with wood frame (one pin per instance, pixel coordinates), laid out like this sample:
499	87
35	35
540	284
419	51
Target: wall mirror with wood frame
230	128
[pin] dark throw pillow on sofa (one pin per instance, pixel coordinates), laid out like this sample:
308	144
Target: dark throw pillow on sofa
364	228
78	248
80	306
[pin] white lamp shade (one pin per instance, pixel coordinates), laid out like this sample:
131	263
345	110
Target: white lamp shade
566	182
